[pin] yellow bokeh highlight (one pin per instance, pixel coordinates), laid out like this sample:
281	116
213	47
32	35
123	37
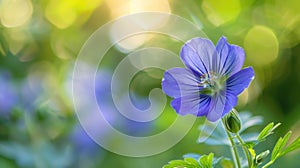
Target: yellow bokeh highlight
118	8
16	39
132	43
219	12
15	13
124	7
261	45
119	29
64	13
150	5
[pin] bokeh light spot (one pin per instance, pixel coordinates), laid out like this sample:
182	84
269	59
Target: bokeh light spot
15	13
220	12
261	45
64	13
118	7
149	5
127	44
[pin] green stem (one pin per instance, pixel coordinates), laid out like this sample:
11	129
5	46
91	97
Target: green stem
268	164
245	150
235	154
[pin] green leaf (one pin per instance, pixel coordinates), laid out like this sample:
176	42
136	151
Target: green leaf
278	149
268	130
191	161
265	131
206	161
293	146
186	163
284	140
275	152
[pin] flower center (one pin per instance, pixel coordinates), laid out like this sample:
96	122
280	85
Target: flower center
211	83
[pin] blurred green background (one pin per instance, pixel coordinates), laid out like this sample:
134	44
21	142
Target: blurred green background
39	43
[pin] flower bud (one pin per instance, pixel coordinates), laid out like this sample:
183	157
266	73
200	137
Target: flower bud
232	121
260	158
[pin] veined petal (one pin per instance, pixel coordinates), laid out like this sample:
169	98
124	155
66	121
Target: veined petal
216	108
197	55
178	82
221	105
195	104
231	101
230	58
240	81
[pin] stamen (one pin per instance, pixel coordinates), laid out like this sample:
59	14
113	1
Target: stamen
211	83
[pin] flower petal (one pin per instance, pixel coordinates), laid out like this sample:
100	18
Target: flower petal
197	55
195	104
221	105
231	101
216	109
178	82
230	58
240	81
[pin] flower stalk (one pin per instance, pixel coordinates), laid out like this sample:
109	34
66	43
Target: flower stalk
268	164
245	150
234	151
232	124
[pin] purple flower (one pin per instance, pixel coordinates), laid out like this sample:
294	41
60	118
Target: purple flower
8	94
211	81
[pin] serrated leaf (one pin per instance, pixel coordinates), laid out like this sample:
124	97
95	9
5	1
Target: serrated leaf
186	163
206	161
293	146
267	131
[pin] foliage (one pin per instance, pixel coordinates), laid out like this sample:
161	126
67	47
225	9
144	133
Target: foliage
204	161
252	139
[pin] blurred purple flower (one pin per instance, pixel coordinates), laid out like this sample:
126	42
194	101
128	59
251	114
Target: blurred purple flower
211	81
82	142
32	94
112	114
8	96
